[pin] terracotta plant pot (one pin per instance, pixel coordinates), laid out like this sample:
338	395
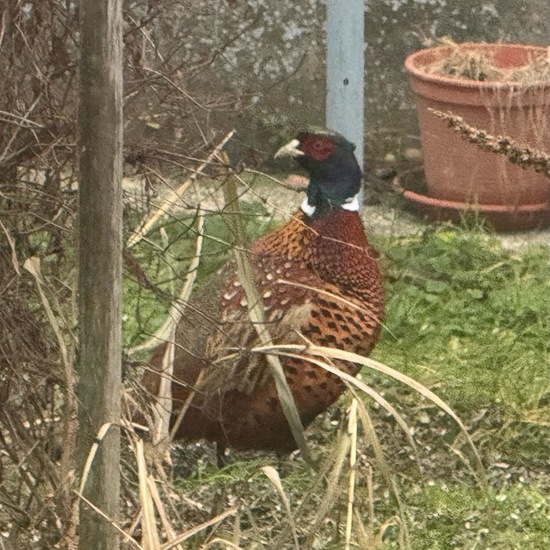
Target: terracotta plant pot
459	175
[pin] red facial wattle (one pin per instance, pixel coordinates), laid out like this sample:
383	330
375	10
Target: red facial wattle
317	147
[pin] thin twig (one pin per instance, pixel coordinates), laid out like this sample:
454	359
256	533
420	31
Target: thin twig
16	131
11	242
110	520
149	222
178	305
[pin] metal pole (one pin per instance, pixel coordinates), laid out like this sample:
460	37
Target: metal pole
346	70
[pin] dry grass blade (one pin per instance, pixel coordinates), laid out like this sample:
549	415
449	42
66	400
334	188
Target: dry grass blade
184	536
473	63
226	543
150	222
331	353
352	434
257	317
162	410
392	522
32	265
384	469
111	521
364	537
525	157
11	242
151	501
155	495
330	494
370	432
91	455
184	408
150	535
275	480
328	294
351	382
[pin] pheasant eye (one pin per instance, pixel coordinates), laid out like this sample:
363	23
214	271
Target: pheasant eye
318	148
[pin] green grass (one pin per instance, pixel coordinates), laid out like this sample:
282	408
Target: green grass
458	516
463	311
470	320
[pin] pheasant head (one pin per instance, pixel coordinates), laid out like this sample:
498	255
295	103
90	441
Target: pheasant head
334	173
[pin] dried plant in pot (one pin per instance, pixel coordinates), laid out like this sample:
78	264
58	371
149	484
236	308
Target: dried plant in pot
503	89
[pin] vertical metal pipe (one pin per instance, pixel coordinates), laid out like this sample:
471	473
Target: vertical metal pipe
346	70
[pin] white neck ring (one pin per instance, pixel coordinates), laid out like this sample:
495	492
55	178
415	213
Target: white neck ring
351	204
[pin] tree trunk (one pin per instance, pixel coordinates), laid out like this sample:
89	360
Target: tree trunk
100	260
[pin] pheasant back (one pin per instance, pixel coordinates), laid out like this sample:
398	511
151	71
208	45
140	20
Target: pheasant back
320	283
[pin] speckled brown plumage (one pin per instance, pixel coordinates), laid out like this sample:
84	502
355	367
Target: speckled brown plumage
319	281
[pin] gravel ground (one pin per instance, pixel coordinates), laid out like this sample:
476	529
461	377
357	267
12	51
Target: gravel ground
387	221
380	219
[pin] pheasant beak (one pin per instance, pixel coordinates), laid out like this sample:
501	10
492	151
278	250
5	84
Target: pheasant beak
289	150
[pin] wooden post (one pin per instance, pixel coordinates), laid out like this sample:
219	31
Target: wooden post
100	261
346	70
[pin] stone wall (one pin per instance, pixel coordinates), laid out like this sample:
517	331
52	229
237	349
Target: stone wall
271	55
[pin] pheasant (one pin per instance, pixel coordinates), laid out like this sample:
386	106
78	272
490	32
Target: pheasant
319	281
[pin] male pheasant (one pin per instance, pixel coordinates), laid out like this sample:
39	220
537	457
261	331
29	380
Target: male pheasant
319	281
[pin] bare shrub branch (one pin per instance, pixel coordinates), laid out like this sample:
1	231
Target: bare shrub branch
525	157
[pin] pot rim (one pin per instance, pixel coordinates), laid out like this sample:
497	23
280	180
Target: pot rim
427	200
416	71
